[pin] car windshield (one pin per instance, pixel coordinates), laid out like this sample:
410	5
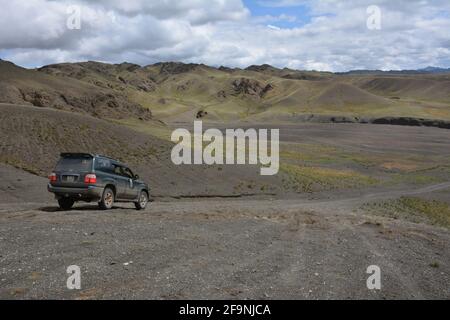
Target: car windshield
74	164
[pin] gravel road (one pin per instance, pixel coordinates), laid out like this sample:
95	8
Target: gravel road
218	249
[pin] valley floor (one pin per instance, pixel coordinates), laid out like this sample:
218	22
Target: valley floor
347	197
220	249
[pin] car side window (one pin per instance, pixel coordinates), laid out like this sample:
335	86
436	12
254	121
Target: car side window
117	170
103	165
127	172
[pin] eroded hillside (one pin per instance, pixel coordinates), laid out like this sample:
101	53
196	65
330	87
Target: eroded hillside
182	92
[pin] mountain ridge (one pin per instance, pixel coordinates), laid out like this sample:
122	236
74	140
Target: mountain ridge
175	91
261	67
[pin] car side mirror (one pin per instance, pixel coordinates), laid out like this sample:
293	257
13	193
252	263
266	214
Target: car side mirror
136	177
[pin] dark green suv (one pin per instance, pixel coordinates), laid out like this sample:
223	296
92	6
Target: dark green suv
90	177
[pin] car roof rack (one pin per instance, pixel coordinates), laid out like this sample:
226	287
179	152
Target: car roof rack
76	154
83	154
106	157
103	156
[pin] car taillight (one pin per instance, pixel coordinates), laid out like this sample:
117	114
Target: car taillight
90	178
52	177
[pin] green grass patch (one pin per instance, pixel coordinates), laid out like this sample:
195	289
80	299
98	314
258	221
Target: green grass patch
151	128
310	154
416	179
313	179
414	209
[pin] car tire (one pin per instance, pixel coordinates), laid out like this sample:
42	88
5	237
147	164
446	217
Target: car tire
107	200
65	203
142	201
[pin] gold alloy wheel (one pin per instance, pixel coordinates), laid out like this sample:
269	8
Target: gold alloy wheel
143	199
109	199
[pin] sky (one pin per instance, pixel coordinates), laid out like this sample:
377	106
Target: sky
325	35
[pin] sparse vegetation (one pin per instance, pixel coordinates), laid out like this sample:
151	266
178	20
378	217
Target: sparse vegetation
310	179
414	209
434	264
20	164
415	179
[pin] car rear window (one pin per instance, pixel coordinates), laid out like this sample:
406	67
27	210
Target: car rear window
74	164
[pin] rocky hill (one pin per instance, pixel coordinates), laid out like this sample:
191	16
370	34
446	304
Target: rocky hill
172	91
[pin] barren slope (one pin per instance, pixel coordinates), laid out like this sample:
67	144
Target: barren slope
177	92
31	87
33	138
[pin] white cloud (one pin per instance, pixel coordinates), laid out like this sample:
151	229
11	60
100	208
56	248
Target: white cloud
194	11
414	33
273	27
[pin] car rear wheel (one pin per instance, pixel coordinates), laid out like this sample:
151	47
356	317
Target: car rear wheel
65	203
142	201
107	200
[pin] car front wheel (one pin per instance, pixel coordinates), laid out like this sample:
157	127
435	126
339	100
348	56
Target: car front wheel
107	200
142	201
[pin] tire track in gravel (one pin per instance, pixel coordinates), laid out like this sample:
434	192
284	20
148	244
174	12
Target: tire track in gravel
292	249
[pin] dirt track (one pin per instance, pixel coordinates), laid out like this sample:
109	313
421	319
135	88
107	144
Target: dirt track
257	249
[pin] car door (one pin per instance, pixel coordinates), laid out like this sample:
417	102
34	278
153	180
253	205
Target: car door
121	182
131	188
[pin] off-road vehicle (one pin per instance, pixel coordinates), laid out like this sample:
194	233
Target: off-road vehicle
91	177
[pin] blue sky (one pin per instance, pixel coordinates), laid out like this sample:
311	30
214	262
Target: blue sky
301	13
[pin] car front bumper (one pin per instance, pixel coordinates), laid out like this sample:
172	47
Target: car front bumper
89	193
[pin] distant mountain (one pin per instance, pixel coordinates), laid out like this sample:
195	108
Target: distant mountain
427	70
434	70
175	91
